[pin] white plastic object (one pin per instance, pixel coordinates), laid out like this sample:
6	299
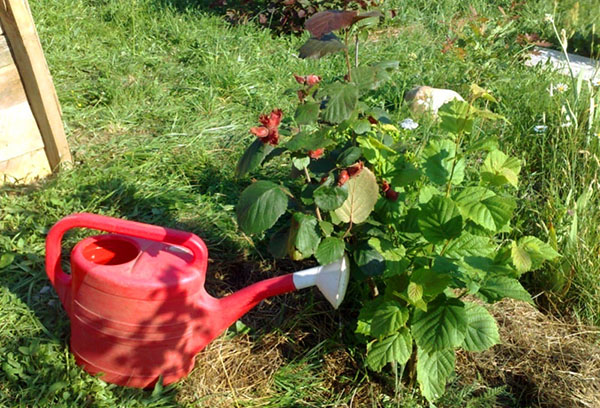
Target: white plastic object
331	279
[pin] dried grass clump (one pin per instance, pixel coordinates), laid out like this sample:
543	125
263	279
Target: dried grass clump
232	371
546	362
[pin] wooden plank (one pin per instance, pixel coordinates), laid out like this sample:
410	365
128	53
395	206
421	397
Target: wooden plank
25	168
11	88
19	28
19	133
5	57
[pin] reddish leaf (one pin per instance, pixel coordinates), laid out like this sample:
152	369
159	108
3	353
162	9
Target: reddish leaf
327	21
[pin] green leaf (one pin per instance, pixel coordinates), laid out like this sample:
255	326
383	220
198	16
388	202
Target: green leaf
301	162
498	287
252	157
415	292
397	347
278	243
361	126
482	331
6	260
440	220
363	192
326	227
432	282
537	250
468	245
260	205
443	325
330	198
434	369
520	258
309	141
499	169
388	319
303	234
386	248
404	173
307	113
319	47
437	162
370	262
456	117
485	208
365	316
341	102
330	250
478	92
349	156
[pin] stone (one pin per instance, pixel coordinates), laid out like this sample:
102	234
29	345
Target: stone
424	99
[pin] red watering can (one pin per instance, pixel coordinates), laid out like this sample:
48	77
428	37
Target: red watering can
137	302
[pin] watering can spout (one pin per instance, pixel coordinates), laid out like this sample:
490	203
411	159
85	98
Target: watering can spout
331	280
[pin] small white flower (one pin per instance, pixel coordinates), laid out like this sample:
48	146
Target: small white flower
562	88
566	124
549	18
596	81
540	128
409	124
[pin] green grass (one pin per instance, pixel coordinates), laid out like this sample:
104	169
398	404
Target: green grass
157	100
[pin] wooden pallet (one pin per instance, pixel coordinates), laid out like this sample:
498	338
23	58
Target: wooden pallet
32	136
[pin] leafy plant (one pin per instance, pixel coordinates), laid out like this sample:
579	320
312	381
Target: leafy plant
427	226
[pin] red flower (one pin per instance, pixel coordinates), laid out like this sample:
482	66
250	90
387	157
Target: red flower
342	178
391	194
315	154
385	186
301	95
300	79
355	169
313	80
269	132
372	120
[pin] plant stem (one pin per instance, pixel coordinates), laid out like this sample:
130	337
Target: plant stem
458	140
308	179
348	57
356	51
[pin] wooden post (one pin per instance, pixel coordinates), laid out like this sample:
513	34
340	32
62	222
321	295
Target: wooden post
18	26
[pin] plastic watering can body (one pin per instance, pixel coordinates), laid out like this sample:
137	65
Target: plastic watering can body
136	299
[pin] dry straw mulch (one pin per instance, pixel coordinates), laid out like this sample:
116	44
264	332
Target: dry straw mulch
544	361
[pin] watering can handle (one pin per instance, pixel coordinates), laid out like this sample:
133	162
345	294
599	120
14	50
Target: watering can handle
60	280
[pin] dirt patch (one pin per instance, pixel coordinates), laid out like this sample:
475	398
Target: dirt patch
544	361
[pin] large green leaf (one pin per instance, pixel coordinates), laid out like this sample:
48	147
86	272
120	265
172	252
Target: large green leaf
341	102
369	77
252	157
440	220
303	235
456	117
365	316
349	156
468	245
499	169
363	192
330	250
432	281
538	251
499	287
434	369
319	47
485	208
442	326
307	113
388	319
482	331
397	347
438	157
309	141
369	260
520	258
330	198
260	205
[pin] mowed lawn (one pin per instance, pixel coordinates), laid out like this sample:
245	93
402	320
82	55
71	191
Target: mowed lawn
157	99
